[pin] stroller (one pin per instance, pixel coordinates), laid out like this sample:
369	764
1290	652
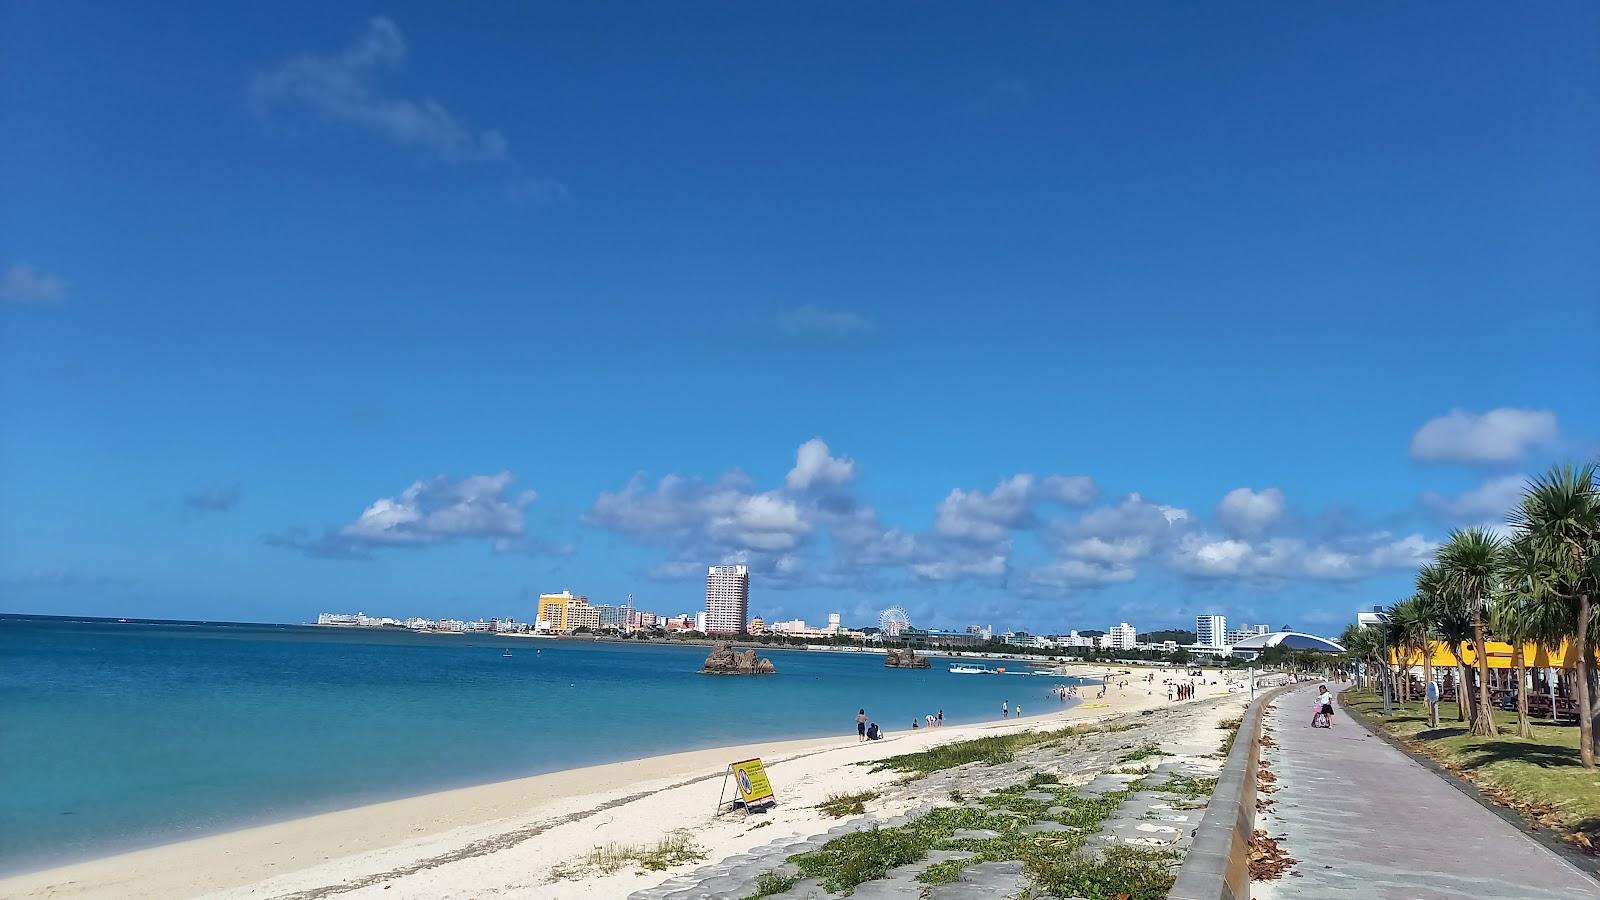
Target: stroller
1320	718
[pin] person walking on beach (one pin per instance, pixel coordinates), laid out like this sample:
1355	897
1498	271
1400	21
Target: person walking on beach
861	725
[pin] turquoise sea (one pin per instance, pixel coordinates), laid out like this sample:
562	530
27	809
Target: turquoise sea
125	734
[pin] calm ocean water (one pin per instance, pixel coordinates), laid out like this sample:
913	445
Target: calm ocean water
124	735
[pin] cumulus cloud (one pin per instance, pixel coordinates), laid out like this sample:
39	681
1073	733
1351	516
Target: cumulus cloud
816	468
1102	545
1244	511
22	283
212	499
1488	502
343	88
430	511
810	319
1499	435
987	517
1066	574
1069	490
723	517
1206	555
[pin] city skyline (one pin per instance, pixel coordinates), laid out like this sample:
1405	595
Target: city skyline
344	308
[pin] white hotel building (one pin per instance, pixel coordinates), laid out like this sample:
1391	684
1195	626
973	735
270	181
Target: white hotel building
727	599
1211	631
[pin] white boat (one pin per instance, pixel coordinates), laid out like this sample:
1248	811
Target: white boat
963	669
507	654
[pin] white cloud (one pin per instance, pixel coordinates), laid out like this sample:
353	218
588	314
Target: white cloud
343	88
815	467
22	283
439	509
708	519
1499	435
1206	555
1490	501
1065	574
989	517
1244	511
953	567
1069	490
430	511
1109	550
986	517
817	320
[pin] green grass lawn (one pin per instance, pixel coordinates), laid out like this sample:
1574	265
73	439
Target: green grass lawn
1540	776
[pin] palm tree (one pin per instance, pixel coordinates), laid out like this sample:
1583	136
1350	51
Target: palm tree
1429	590
1470	560
1410	621
1361	646
1513	622
1560	514
1529	607
1454	625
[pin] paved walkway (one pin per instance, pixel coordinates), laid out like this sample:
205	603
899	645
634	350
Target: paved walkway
1365	820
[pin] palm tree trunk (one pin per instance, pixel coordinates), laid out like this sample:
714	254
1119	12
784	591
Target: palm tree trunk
1524	727
1483	716
1580	647
1427	679
1463	685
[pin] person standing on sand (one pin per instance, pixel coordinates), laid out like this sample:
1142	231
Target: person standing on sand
1005	709
861	725
1019	710
940	721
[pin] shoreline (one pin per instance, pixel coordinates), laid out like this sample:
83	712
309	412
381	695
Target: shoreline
539	821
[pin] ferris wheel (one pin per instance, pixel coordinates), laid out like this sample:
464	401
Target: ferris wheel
893	620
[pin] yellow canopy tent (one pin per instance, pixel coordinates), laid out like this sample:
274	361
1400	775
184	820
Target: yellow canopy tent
1498	652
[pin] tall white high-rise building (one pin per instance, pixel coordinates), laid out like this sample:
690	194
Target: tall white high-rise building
727	599
1122	637
1210	631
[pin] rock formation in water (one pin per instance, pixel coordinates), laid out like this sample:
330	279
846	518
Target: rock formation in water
904	659
724	660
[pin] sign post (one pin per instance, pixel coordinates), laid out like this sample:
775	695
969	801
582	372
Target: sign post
750	784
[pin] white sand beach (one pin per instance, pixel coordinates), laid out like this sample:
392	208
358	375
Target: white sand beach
508	838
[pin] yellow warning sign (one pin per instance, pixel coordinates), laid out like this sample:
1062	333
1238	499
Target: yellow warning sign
751	778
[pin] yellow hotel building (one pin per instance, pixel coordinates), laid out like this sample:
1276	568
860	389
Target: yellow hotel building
563	612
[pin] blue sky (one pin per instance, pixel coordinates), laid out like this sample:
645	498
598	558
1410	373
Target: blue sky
1044	317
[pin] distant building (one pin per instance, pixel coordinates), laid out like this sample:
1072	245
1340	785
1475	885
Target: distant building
930	637
1368	618
700	623
1211	631
1245	633
727	599
1074	639
757	626
562	613
981	632
834	621
1122	637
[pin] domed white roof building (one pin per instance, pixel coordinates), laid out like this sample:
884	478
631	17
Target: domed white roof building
1253	646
